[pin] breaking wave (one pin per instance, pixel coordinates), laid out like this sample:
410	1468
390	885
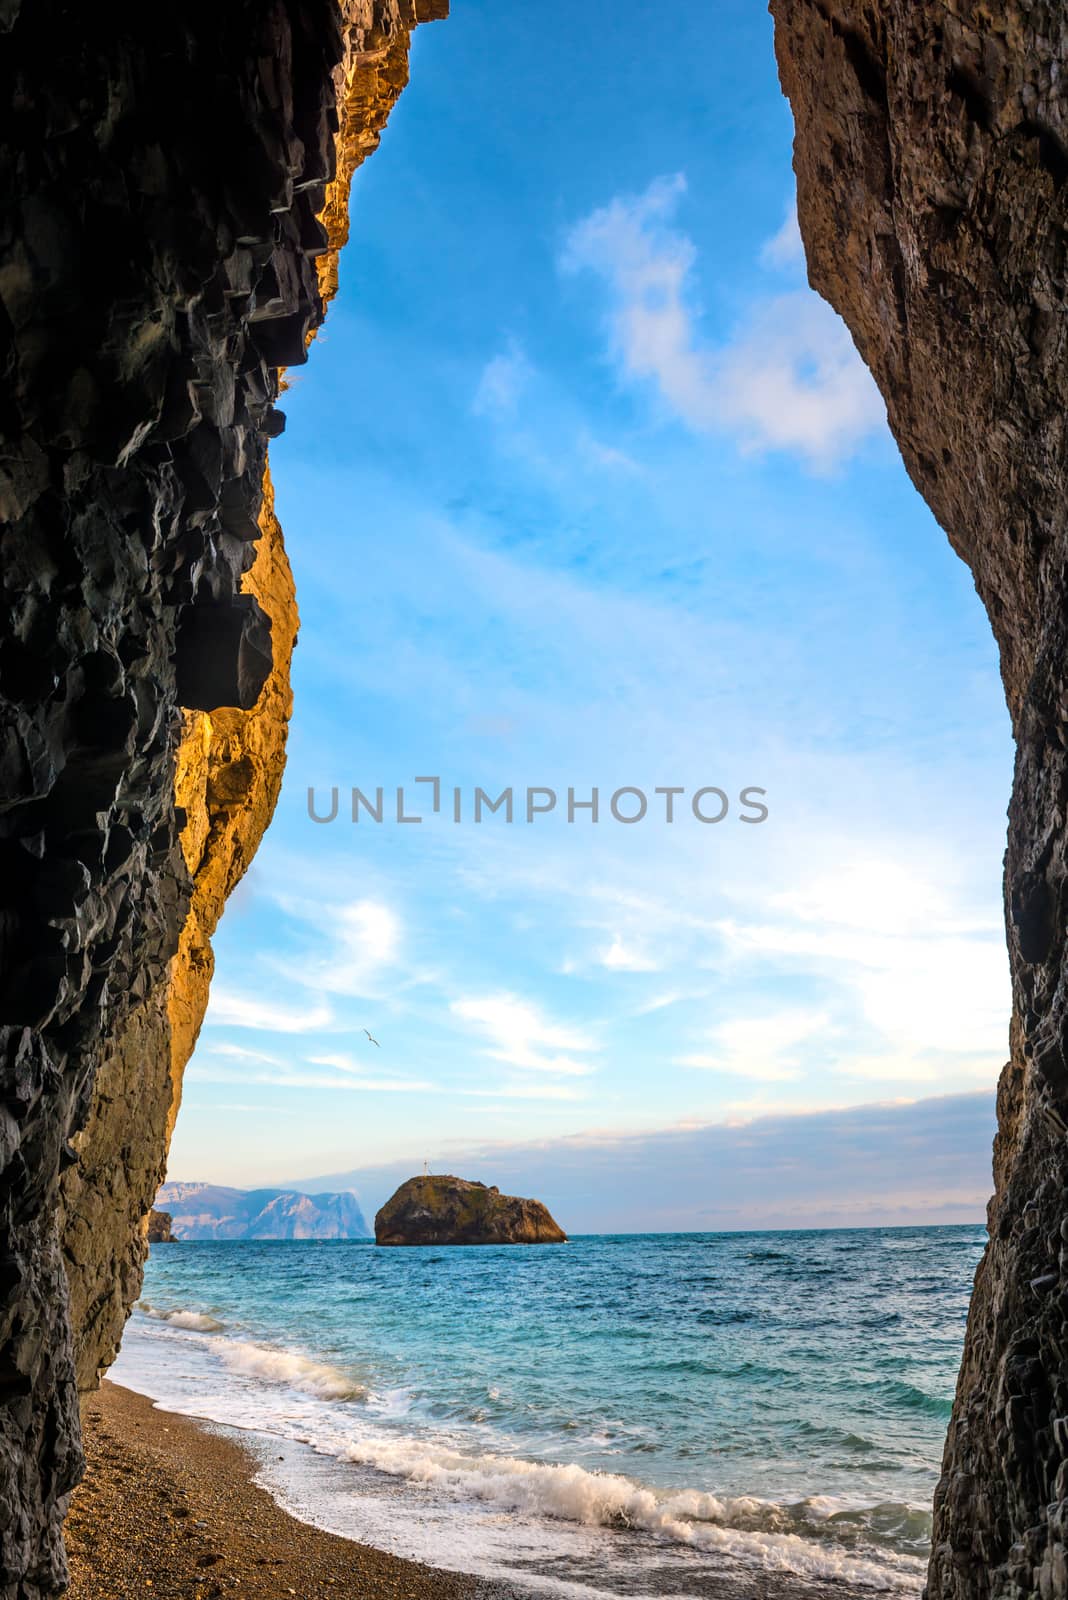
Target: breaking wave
506	1418
289	1368
191	1321
763	1534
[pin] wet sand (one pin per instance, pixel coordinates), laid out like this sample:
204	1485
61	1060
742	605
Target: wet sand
168	1509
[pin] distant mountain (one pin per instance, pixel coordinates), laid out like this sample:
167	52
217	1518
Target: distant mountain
211	1211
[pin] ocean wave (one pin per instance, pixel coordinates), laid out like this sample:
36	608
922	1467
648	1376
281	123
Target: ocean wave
289	1368
191	1321
899	1524
913	1399
750	1530
874	1549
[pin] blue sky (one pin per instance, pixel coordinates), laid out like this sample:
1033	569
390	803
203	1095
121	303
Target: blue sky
584	488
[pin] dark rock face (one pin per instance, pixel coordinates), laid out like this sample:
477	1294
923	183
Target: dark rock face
159	1228
161	172
444	1210
105	1193
932	165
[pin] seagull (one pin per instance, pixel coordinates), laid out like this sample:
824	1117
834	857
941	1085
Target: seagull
372	1037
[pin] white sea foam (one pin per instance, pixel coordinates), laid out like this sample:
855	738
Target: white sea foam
570	1493
762	1535
289	1368
191	1321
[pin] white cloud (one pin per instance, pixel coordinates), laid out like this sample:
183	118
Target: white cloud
525	1091
340	1063
502	382
522	1036
229	1009
789	379
606	456
760	1048
622	957
238	1052
930	981
204	1072
785	248
931	1068
366	936
659	1002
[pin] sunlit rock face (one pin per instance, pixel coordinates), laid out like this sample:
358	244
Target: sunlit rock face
932	157
437	1209
158	1228
162	258
228	773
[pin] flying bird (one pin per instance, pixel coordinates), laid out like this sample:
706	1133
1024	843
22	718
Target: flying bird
372	1037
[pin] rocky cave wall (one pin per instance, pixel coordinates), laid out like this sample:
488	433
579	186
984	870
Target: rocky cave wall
931	155
162	259
230	764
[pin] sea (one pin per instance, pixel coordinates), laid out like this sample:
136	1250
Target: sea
694	1414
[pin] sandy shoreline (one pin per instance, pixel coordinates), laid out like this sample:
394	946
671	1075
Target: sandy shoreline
168	1508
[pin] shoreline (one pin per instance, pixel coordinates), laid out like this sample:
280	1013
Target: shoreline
169	1507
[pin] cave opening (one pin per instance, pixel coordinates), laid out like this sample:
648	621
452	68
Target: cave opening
558	505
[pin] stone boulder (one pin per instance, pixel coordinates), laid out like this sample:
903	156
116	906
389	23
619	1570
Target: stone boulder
159	1228
446	1210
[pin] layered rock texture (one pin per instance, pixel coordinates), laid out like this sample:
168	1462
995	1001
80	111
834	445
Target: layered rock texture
444	1210
228	773
932	166
162	259
214	1211
158	1229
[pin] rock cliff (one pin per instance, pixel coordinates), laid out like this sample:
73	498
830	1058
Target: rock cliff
213	1211
931	156
162	259
158	1229
445	1210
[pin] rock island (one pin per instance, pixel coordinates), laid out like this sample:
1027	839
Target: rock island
434	1209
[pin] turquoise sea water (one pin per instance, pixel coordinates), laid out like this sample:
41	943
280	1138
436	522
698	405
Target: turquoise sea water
618	1415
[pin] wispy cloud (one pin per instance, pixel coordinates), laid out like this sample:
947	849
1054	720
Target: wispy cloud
659	1002
785	248
502	382
788	379
364	937
239	1052
760	1048
931	982
606	456
340	1062
526	1091
205	1072
229	1009
623	957
522	1036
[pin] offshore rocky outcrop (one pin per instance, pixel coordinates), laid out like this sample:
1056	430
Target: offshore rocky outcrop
437	1209
162	259
932	166
158	1228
